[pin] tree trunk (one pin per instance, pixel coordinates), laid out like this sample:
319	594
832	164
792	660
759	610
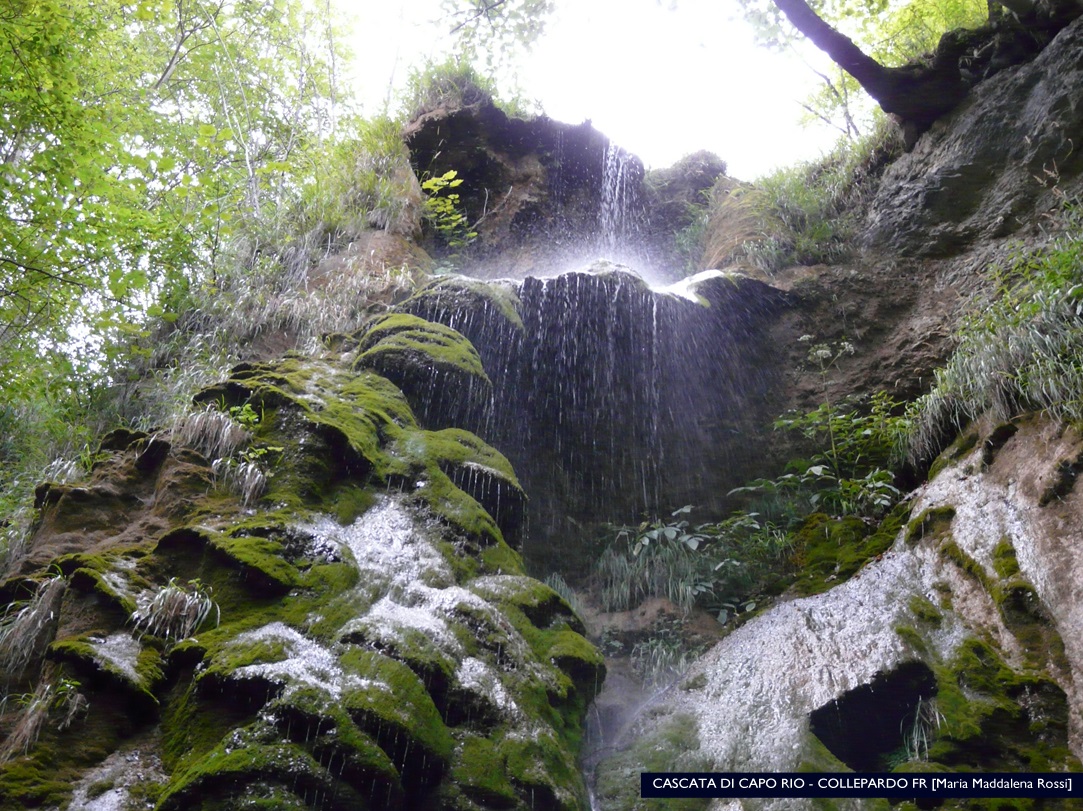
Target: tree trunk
917	94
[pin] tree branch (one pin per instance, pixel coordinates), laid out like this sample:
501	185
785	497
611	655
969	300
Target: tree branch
482	11
915	93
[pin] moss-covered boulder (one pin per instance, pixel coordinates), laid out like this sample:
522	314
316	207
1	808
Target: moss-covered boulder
354	633
436	367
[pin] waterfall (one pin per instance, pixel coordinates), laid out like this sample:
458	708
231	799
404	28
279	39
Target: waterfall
613	400
615	208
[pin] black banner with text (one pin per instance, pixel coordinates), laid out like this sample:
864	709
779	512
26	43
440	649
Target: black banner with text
963	785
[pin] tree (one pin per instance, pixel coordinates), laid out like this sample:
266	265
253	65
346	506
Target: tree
490	30
137	139
923	90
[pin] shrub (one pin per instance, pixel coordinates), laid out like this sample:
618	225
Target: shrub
803	215
450	84
1021	351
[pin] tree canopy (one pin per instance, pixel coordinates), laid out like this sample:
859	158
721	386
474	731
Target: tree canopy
135	138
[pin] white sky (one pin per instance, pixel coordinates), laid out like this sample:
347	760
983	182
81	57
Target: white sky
661	83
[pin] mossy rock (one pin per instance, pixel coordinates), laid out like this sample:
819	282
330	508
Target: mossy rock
436	367
540	603
577	657
465	304
1005	564
397	711
109	577
480	772
540	767
279	706
474	467
924	611
933	523
119	660
997	719
241	774
831	550
260	559
328	732
962	445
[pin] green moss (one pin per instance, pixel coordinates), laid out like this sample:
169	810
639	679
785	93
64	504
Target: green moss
324	728
997	719
444	501
138	679
349	502
280	773
540	603
481	772
418	651
32	782
404	347
953	552
95	582
543	769
577	657
397	710
668	744
831	550
816	757
501	559
924	611
1005	563
192	725
934	522
956	451
93	573
461	294
453	448
261	559
912	638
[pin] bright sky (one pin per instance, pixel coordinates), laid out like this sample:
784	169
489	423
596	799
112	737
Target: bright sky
660	82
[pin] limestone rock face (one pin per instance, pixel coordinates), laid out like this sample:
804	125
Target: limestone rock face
538	190
302	595
981	174
611	398
968	629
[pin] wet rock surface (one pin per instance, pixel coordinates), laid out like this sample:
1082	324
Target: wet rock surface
326	614
978	174
538	192
927	636
611	398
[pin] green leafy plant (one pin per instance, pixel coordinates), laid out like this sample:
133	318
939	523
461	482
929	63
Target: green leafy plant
852	475
689	565
658	558
176	611
444	212
664	655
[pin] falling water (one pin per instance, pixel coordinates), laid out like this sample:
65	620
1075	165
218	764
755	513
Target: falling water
611	400
616	198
